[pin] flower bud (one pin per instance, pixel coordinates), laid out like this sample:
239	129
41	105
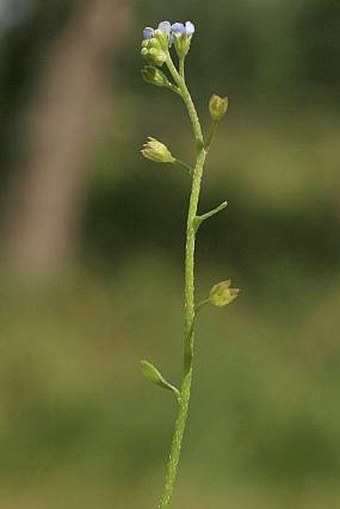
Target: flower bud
218	107
152	52
182	35
163	36
154	76
148	32
182	45
221	294
157	151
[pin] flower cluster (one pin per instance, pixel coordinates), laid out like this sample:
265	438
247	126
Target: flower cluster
171	30
156	42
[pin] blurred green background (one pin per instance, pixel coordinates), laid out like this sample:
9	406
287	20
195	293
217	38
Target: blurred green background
92	252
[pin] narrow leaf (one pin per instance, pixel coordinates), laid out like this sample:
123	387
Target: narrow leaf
153	374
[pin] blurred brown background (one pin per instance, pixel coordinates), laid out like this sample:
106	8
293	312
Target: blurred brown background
92	249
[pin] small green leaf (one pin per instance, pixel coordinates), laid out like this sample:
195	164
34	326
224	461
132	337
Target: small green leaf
154	375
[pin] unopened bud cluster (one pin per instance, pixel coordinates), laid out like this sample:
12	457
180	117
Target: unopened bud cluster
153	52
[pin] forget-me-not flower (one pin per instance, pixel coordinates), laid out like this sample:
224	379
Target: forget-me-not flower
187	29
148	32
165	26
170	30
177	29
156	42
182	34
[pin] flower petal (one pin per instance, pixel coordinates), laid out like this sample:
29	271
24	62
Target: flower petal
165	27
148	32
177	29
189	28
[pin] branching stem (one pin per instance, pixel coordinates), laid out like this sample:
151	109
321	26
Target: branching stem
200	219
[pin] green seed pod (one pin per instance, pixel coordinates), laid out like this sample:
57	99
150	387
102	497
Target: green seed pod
221	294
157	151
218	107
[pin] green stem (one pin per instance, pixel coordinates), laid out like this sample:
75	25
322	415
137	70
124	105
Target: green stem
189	170
188	102
189	287
201	304
211	134
176	445
189	290
182	67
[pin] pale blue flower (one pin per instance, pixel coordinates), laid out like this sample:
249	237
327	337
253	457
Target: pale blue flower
189	28
172	31
177	29
165	27
148	33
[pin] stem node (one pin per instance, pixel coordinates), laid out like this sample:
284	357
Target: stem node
200	219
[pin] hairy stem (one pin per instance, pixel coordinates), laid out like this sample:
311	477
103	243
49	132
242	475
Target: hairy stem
185	94
189	170
189	288
182	67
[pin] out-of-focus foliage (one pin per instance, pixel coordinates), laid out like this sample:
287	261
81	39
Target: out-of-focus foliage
79	427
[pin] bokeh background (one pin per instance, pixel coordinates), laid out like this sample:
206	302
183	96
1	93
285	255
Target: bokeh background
92	250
